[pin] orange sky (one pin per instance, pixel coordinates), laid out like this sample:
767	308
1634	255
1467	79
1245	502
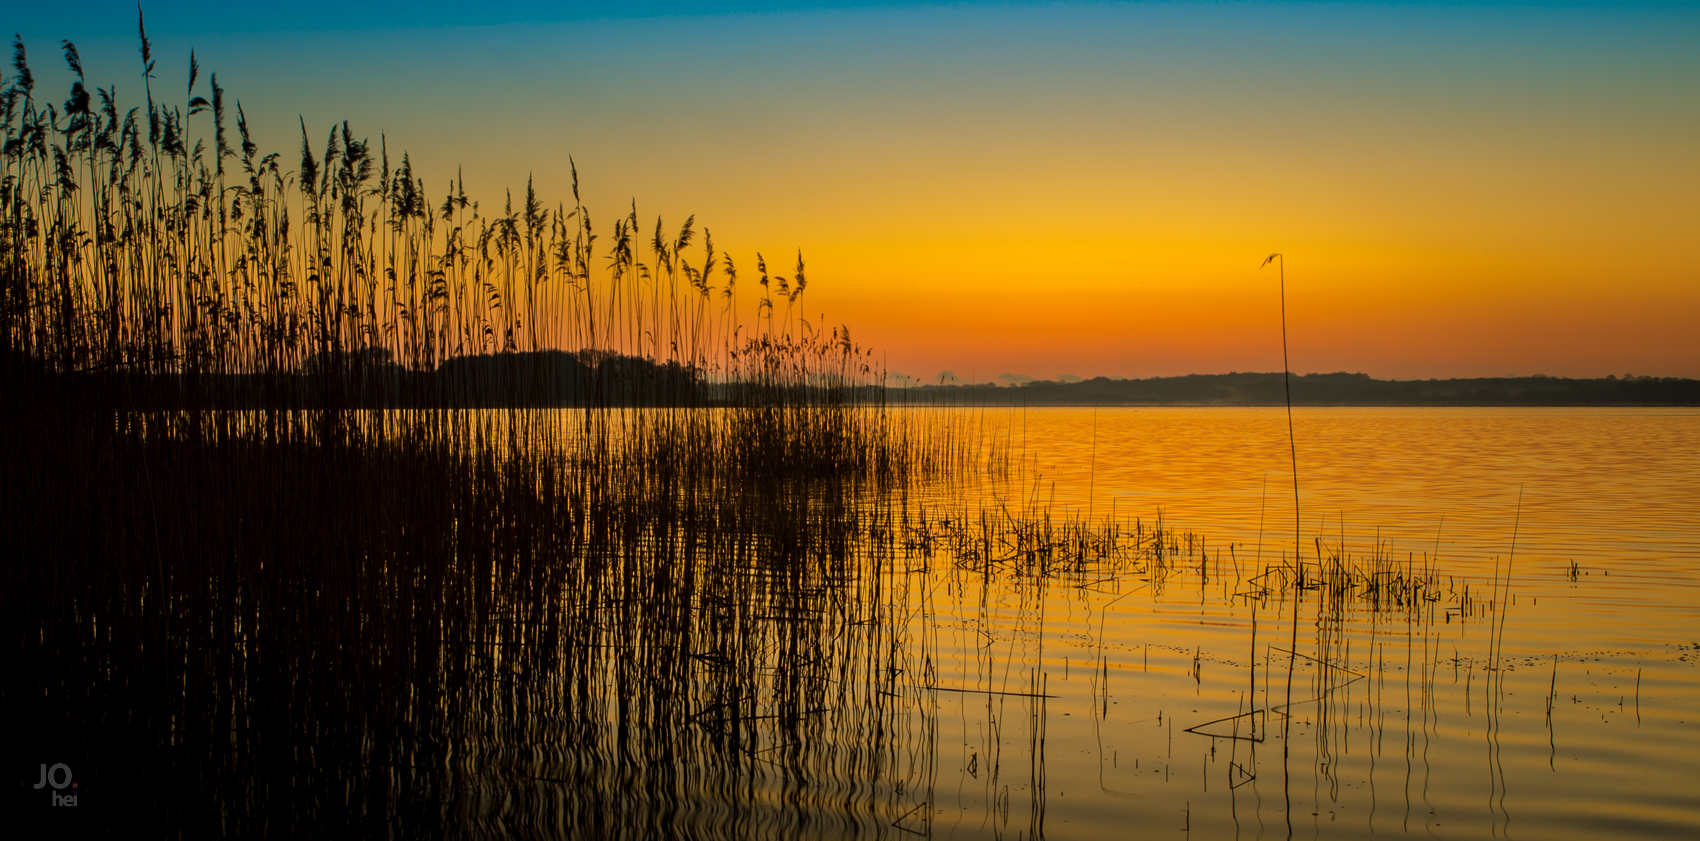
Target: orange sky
1088	189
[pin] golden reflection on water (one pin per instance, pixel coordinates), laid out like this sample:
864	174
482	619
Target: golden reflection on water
1544	689
1617	484
1565	707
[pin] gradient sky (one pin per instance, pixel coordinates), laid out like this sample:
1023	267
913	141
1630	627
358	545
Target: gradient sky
1046	189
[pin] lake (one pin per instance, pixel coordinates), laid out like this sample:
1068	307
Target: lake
957	623
1400	723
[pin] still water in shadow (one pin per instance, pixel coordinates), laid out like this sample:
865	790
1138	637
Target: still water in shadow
1106	633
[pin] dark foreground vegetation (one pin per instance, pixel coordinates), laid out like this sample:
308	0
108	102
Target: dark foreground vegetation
1325	390
300	542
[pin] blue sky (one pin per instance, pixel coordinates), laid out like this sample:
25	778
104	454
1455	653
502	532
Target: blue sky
93	18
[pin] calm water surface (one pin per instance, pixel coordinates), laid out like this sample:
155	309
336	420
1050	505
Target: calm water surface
1176	706
1513	655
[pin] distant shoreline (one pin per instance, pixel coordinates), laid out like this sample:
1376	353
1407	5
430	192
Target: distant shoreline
540	379
1339	389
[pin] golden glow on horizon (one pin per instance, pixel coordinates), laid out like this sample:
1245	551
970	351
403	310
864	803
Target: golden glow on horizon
1088	190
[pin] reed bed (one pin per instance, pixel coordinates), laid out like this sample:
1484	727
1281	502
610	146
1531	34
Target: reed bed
1038	542
344	510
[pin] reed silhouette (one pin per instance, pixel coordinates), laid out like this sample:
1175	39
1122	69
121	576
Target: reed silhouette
345	511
